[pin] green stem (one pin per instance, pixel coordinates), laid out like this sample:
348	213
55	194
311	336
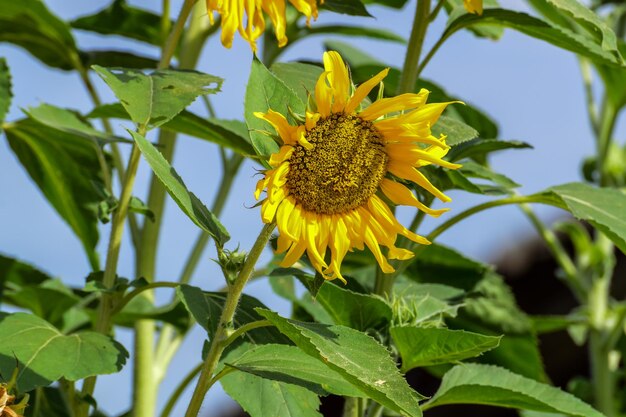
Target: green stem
431	53
559	253
607	125
103	321
592	109
414	49
144	382
246	328
351	407
225	324
376	410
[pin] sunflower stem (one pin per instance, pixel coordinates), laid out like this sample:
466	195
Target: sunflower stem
224	327
414	49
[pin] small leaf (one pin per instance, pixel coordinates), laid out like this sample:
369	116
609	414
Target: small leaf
186	200
5	90
492	385
291	365
432	346
357	357
121	19
62	165
350	7
111	58
456	131
359	311
30	25
301	78
266	91
478	149
152	100
46	355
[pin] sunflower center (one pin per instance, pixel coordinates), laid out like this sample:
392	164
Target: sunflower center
342	170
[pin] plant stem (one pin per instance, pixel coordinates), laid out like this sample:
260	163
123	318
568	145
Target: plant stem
559	253
144	383
607	125
351	407
103	321
246	328
414	49
225	324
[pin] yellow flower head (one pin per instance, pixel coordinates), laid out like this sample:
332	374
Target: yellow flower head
247	17
473	6
328	181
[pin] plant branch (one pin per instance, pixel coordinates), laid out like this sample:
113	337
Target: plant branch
410	70
225	324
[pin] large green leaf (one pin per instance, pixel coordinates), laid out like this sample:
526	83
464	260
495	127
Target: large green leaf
347	308
30	25
266	91
478	149
561	37
64	167
603	208
5	90
121	19
456	131
492	385
206	308
433	346
291	365
261	397
46	355
301	78
589	20
152	100
186	200
355	356
231	134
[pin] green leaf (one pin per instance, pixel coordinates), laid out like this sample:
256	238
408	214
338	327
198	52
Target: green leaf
590	21
266	91
358	311
603	208
206	308
537	28
19	274
140	308
396	4
46	355
350	7
261	397
418	290
121	19
30	25
432	346
301	78
291	365
152	100
456	131
69	122
232	134
355	356
479	148
284	287
344	30
442	265
64	167
111	58
492	385
5	90
186	200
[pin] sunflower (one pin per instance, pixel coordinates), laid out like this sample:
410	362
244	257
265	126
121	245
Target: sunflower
252	26
473	6
328	182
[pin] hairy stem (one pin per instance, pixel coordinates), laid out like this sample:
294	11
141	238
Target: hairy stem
225	324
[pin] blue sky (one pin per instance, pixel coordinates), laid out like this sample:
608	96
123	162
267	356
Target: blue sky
531	88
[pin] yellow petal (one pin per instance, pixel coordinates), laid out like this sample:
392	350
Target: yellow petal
473	6
399	194
276	12
280	124
323	95
409	173
364	89
338	79
393	104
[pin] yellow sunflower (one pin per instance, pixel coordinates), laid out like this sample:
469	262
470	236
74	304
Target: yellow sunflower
247	16
473	6
328	181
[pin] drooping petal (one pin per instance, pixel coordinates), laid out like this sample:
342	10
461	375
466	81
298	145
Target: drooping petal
280	124
338	79
409	173
399	194
276	11
473	6
393	104
323	95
